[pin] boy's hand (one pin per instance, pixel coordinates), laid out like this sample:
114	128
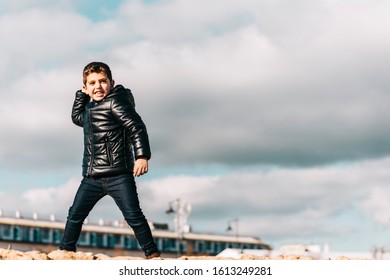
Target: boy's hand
84	91
140	167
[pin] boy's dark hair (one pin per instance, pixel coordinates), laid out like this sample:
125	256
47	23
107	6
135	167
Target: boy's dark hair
96	67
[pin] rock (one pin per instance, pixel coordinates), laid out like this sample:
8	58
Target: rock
68	255
102	257
36	255
105	257
251	257
343	258
7	254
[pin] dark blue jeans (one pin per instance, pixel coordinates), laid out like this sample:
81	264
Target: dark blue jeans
123	190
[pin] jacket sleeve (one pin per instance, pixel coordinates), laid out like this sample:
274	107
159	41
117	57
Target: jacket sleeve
80	101
124	112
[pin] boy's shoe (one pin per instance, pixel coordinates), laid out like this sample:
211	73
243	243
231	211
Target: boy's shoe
153	255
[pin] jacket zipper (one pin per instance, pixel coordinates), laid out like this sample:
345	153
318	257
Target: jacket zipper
91	144
124	148
109	153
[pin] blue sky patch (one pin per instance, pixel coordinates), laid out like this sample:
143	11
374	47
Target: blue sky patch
98	10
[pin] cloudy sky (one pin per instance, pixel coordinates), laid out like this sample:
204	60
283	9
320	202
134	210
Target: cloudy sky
274	113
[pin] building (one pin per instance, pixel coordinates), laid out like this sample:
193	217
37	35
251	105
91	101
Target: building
115	239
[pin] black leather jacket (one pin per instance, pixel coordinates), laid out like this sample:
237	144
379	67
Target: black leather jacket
113	133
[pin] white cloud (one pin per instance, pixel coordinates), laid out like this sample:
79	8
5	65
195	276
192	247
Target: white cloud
45	201
376	204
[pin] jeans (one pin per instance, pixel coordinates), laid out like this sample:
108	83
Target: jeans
123	190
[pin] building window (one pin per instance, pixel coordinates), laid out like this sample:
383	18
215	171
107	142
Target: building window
5	231
36	235
99	240
118	240
169	244
200	246
56	236
92	239
110	241
130	242
17	233
83	240
45	234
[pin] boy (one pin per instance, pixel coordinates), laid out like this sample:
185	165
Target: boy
116	149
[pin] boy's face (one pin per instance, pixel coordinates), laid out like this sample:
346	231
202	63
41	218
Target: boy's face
97	86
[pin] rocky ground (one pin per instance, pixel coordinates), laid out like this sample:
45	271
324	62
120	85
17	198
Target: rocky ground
9	254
